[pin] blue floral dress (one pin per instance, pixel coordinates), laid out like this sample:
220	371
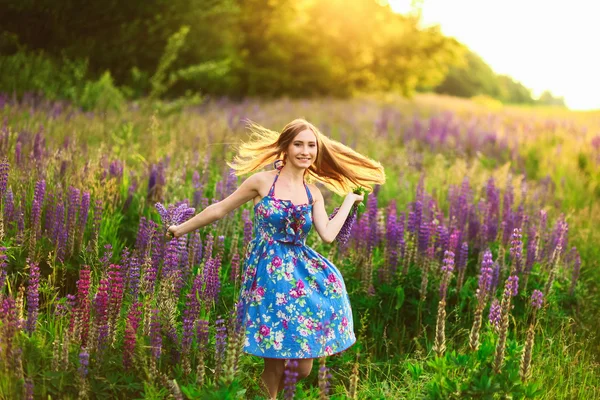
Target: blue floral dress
295	300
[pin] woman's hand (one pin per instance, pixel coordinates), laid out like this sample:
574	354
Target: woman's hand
355	197
172	232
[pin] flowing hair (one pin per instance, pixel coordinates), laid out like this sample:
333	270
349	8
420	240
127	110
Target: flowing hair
337	166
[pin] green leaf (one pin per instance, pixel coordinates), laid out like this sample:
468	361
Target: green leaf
399	297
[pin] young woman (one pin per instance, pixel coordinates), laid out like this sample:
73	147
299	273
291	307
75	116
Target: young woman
295	300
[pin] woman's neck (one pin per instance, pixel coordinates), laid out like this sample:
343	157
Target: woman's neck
293	175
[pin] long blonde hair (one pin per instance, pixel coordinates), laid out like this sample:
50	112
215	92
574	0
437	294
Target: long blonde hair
337	166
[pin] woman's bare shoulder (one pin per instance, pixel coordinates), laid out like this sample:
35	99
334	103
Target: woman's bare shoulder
315	191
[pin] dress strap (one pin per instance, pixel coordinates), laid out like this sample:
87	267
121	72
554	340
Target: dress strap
310	199
272	190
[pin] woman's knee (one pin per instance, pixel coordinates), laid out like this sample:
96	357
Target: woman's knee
304	368
275	366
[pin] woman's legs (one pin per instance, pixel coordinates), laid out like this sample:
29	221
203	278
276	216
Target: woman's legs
272	375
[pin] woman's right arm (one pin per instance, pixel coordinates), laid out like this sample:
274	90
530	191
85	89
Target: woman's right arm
248	190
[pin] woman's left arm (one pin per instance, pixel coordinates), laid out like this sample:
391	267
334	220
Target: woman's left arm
326	228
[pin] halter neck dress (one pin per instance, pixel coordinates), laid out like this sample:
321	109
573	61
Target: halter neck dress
295	300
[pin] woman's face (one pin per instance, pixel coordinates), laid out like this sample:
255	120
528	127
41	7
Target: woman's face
302	151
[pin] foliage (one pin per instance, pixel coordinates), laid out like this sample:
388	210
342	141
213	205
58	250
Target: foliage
129	160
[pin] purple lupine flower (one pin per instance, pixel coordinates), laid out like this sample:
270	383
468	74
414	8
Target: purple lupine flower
196	246
247	227
10	322
208	246
101	308
448	265
3	266
133	277
171	259
516	250
424	232
486	273
220	345
463	255
115	276
532	245
344	233
33	297
158	249
291	378
360	232
132	324
447	268
174	214
84	362
155	336
537	299
495	313
507	203
9	206
106	256
211	277
143	237
115	169
20	223
190	313
495	276
153	179
183	266
74	204
235	267
392	238
442	241
83	217
202	334
373	239
36	210
324	378
512	284
411	222
29	389
81	316
231	183
453	241
418	213
464	199
4	171
474	229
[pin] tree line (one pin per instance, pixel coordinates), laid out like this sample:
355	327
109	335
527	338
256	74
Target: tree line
236	48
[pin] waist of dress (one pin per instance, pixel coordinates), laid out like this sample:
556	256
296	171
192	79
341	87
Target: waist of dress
286	239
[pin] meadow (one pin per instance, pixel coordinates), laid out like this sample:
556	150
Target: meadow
472	272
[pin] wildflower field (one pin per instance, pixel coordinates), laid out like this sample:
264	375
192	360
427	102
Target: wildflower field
472	272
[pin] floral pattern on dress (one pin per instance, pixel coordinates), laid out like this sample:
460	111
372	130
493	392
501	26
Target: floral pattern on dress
295	300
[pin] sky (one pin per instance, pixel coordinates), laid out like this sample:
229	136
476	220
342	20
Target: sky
546	45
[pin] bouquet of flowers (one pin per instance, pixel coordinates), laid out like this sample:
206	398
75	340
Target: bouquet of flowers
174	214
344	233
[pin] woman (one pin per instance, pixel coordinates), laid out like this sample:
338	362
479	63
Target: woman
296	305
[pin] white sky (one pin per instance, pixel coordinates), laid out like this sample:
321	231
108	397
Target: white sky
553	45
